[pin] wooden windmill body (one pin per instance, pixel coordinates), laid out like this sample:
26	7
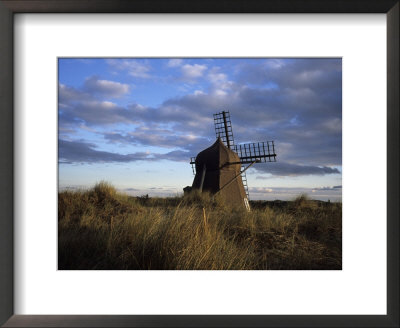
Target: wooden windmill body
221	168
216	166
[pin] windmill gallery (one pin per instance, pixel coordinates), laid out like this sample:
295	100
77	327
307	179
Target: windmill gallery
221	168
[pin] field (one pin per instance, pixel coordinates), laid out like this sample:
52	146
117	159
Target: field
101	229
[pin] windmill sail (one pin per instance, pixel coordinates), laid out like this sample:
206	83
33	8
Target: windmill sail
260	152
223	128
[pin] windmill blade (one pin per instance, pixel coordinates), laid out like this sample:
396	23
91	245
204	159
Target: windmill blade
244	180
260	152
193	163
223	128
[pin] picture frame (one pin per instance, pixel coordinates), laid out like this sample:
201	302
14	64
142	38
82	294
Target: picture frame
7	10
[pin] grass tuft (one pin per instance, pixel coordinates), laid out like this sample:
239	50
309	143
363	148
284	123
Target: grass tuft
103	229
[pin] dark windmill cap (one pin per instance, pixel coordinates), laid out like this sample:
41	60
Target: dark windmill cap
216	156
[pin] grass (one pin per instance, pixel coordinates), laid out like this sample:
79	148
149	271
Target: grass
105	230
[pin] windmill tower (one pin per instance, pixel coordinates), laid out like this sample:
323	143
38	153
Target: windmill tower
221	168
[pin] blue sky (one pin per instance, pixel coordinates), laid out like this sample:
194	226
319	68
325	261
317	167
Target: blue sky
135	122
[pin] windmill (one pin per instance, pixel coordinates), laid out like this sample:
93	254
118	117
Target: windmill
221	168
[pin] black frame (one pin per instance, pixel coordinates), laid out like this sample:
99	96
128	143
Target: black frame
7	10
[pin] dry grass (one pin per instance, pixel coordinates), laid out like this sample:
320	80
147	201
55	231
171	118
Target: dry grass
102	229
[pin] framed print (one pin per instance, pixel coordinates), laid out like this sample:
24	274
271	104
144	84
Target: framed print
126	91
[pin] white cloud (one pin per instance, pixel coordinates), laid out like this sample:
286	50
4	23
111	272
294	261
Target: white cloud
175	62
67	94
105	87
219	81
335	188
274	63
133	67
193	71
333	125
260	189
108	105
290	193
219	92
216	77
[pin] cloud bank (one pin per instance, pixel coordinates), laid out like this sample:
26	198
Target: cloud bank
295	102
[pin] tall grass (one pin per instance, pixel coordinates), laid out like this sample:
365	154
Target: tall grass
103	229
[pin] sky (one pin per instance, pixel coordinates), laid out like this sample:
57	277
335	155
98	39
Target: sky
135	122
